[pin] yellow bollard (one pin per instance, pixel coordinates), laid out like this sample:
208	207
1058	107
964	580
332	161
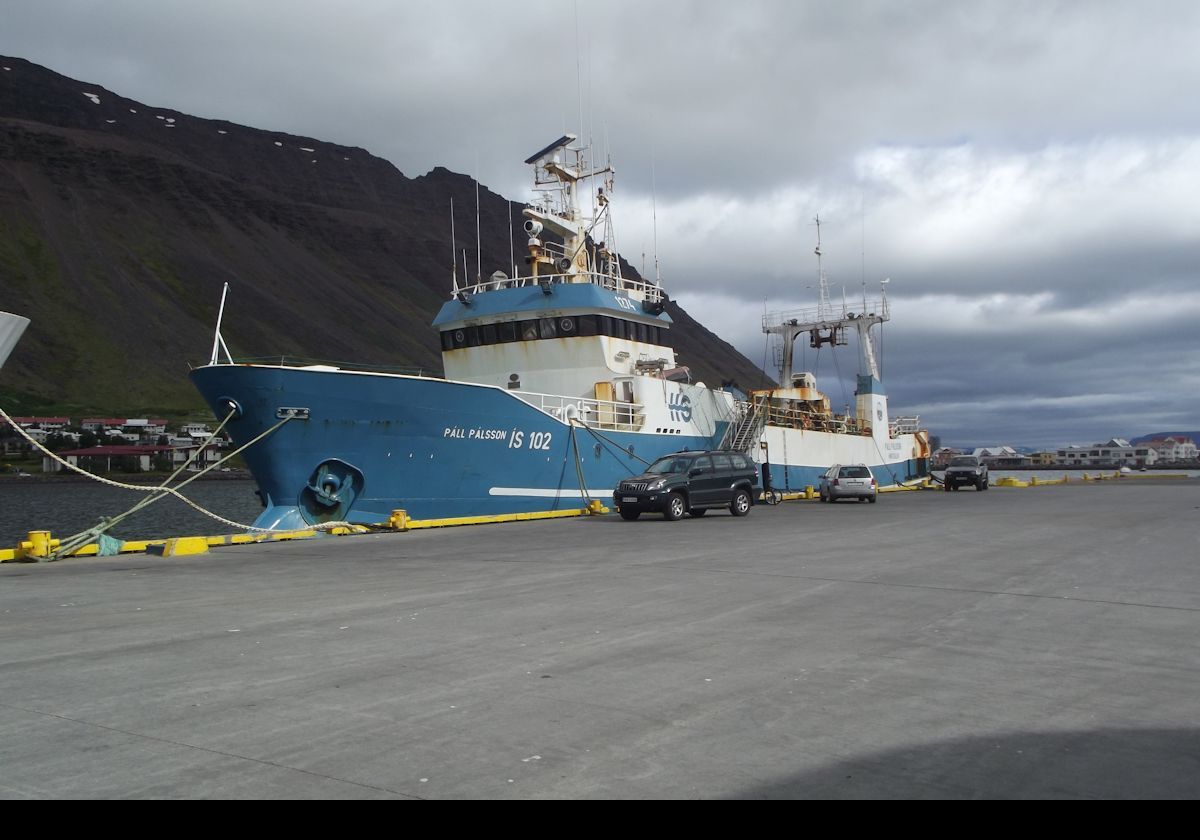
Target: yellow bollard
398	521
808	491
38	546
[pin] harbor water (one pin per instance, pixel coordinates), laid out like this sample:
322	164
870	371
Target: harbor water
68	507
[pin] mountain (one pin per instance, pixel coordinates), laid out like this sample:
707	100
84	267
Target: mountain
119	223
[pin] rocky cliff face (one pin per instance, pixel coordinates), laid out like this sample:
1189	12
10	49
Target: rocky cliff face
120	222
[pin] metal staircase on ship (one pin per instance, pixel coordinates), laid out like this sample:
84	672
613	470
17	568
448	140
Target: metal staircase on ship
745	431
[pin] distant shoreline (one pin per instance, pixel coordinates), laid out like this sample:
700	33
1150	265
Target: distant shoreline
1174	467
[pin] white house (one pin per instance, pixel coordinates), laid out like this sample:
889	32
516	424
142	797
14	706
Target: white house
1174	449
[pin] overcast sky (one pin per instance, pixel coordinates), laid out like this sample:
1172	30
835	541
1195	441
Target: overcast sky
1027	174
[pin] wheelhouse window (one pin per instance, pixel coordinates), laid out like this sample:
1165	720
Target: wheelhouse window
563	326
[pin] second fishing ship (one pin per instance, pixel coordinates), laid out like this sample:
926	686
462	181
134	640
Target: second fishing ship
558	384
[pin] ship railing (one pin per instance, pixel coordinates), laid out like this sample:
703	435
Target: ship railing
649	291
793	417
308	362
598	414
814	315
904	425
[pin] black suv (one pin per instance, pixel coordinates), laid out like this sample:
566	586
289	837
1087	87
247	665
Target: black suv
690	482
966	469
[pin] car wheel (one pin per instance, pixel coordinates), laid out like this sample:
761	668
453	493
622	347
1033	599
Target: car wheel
698	511
629	514
871	499
739	505
946	486
979	485
675	508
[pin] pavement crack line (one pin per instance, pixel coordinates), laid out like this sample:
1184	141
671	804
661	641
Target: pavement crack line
209	750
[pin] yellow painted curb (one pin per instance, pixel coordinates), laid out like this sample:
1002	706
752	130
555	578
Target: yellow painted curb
416	524
180	547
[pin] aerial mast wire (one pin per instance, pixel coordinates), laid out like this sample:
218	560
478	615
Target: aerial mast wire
512	254
453	255
826	308
478	235
654	221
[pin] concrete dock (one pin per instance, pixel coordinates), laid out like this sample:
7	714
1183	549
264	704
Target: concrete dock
1018	643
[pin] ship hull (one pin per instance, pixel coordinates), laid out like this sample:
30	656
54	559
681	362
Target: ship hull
798	457
367	444
434	448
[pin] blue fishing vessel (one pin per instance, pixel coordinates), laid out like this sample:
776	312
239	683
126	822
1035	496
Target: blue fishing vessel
558	383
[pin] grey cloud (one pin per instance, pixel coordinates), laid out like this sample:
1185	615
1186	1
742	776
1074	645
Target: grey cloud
1039	150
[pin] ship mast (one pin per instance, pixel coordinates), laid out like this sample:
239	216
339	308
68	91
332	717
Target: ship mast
827	325
561	169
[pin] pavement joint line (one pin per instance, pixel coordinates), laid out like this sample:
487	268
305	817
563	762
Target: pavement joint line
210	750
927	587
931	588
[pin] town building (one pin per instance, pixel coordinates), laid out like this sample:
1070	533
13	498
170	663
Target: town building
942	457
127	425
133	458
1116	452
50	424
1173	449
1001	456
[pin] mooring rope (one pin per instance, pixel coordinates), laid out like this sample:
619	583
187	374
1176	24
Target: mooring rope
605	441
74	542
583	492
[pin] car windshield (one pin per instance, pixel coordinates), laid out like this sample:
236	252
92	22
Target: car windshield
670	464
967	461
855	472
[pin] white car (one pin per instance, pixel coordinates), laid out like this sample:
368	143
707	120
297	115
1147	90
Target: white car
848	481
